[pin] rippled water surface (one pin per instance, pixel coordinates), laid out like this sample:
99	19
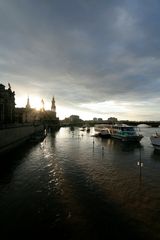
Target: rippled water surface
74	186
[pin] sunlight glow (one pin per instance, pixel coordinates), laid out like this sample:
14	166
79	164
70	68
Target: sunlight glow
35	102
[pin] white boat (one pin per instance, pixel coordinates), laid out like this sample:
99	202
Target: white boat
102	130
125	133
155	140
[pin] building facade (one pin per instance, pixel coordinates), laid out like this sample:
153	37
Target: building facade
9	114
49	116
7	105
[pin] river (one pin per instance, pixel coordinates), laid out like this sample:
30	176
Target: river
74	186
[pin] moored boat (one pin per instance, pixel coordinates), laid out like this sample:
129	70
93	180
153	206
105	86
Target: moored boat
125	133
155	141
102	130
88	129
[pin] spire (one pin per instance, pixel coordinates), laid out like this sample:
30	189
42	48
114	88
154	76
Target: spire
53	106
9	86
42	102
28	104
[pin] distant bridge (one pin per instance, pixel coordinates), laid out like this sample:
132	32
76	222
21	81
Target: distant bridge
92	123
136	123
128	122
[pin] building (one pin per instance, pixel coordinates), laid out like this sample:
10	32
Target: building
74	118
94	119
48	117
112	119
99	119
26	114
53	107
10	114
7	105
11	133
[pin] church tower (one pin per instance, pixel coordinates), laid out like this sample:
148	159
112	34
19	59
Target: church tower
42	102
28	106
53	106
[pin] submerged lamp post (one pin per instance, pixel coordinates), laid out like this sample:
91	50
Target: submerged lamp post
140	164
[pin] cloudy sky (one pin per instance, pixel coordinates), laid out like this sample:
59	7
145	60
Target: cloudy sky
98	58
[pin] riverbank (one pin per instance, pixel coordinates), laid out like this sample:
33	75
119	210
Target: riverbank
16	134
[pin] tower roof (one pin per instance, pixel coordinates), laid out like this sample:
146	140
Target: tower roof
28	103
53	106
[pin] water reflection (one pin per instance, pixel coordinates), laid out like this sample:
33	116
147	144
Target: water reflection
83	187
156	155
117	145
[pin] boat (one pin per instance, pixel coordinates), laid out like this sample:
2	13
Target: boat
155	141
102	130
125	133
88	129
83	128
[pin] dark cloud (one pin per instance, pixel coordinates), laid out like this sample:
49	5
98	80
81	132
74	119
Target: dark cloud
82	51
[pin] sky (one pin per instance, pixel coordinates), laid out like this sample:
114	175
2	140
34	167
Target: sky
98	58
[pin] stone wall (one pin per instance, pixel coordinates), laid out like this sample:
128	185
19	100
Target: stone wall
12	137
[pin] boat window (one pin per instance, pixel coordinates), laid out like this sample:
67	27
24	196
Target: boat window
128	129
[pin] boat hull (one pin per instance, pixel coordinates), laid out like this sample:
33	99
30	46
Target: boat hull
102	130
122	132
125	133
128	138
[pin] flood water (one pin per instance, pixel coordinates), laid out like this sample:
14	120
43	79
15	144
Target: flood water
74	186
